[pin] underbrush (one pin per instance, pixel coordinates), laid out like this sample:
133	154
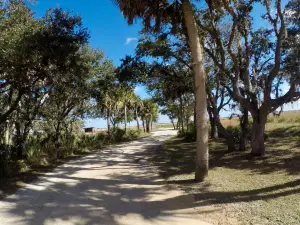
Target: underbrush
39	154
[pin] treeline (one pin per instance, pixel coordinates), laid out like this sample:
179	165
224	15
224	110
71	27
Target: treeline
220	56
51	79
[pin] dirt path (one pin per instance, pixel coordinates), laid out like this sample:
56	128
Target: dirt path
113	187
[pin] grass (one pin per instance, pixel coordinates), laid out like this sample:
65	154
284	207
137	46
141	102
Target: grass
163	125
242	191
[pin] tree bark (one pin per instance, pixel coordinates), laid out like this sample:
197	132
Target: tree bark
172	121
137	119
57	141
181	114
147	126
244	123
143	123
19	140
200	92
213	125
258	136
125	112
108	121
151	122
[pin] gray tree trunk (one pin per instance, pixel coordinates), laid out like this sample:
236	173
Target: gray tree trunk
200	92
108	122
258	136
125	112
137	119
181	114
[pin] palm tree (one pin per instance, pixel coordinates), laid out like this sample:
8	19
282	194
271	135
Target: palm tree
137	106
164	10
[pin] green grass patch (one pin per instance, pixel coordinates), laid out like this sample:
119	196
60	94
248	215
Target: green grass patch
244	191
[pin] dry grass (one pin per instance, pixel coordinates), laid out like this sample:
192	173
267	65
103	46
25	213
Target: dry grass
242	190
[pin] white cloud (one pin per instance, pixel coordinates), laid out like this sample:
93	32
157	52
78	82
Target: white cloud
129	40
137	89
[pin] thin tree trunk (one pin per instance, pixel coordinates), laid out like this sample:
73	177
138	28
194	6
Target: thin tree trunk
19	140
125	111
187	124
200	92
108	121
172	121
151	123
147	126
258	136
137	119
213	125
57	141
143	123
181	114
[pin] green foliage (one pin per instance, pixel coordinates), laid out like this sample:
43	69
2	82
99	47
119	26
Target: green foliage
235	132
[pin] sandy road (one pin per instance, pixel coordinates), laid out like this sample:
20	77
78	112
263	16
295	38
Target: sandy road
113	187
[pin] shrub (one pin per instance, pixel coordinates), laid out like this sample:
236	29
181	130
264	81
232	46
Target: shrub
235	132
189	135
132	134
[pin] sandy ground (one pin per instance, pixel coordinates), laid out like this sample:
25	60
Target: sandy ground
113	187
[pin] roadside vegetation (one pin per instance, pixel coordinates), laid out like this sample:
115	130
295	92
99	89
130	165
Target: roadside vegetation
51	80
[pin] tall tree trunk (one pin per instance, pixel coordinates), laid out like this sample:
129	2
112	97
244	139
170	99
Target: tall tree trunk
258	135
200	92
187	124
151	122
19	142
172	121
244	123
108	121
181	114
4	153
143	123
147	126
137	119
125	112
57	141
213	125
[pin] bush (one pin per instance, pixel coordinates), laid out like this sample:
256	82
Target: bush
132	134
235	132
189	135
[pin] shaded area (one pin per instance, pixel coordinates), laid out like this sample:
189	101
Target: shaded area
116	186
17	179
265	191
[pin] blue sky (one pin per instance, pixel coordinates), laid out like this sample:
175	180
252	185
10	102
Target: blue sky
109	32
